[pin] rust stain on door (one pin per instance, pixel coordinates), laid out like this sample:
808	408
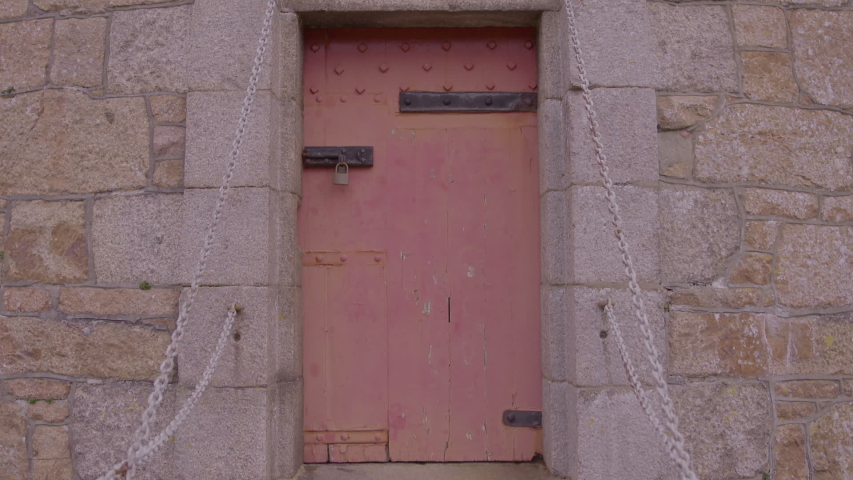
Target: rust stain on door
420	277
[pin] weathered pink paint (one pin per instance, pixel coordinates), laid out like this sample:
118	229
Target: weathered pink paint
421	277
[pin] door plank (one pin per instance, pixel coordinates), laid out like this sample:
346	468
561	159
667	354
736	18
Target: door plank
512	308
315	368
419	358
468	394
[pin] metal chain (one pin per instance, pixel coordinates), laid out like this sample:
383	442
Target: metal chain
637	387
143	447
147	451
672	437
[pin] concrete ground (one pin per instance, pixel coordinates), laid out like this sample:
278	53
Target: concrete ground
426	471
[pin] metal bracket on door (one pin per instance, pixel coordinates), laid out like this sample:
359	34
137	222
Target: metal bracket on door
343	437
467	102
331	156
522	418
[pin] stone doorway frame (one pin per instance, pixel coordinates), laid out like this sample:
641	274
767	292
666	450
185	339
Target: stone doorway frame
285	395
582	378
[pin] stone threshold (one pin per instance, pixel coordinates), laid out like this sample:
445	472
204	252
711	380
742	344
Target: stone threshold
425	471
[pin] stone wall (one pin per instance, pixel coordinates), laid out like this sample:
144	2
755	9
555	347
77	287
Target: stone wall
755	134
737	208
117	116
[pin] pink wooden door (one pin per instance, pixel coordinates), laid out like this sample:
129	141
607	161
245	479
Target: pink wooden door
420	277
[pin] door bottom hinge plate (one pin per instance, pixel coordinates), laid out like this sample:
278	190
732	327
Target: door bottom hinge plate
522	418
346	437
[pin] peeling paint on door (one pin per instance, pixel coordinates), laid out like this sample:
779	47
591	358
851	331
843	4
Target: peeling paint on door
441	241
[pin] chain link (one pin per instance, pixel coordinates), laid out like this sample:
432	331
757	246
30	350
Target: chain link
672	437
143	446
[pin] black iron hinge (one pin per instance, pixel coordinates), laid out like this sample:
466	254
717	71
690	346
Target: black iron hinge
467	102
522	418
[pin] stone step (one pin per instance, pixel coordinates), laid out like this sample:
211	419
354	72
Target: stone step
426	471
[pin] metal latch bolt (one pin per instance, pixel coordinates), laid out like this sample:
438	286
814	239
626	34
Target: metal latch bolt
333	156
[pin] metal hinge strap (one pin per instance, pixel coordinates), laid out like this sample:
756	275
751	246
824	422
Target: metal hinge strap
467	102
522	418
346	437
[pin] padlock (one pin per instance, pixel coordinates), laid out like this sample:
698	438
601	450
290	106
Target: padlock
341	174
